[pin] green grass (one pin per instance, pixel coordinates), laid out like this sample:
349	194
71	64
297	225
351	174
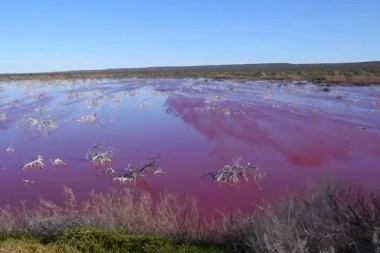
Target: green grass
97	241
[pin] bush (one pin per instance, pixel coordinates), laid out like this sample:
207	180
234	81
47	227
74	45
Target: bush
114	210
330	221
96	240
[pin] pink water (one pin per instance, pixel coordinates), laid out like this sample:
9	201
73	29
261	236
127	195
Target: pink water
297	134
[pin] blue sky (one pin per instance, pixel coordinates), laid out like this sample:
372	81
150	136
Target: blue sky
46	35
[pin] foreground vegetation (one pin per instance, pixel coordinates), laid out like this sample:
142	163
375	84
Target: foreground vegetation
97	240
328	220
362	73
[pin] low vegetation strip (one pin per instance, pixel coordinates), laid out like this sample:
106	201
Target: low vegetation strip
361	73
327	220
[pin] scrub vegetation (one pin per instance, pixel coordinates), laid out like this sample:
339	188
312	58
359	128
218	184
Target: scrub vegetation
358	73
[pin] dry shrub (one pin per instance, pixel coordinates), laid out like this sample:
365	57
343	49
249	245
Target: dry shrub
366	79
331	220
114	210
180	221
356	79
7	221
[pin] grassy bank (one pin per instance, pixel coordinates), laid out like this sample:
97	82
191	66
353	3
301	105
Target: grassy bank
327	220
364	73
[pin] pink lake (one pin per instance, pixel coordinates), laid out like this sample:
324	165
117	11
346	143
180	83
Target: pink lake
297	134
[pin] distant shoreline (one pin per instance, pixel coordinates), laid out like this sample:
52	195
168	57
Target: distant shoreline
358	73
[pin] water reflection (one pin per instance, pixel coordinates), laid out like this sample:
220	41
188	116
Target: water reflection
306	140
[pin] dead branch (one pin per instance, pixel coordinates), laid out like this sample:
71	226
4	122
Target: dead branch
100	156
132	174
38	163
58	162
232	173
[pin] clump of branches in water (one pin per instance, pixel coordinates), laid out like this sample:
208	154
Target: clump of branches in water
232	173
132	93
14	104
10	149
100	156
27	181
110	171
41	96
88	119
211	100
117	100
95	101
91	119
74	95
58	162
38	163
222	111
144	105
41	109
151	165
40	125
3	116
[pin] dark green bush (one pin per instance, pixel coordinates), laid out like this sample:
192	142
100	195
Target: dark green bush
98	240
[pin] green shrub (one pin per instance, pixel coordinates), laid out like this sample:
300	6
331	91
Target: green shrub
98	240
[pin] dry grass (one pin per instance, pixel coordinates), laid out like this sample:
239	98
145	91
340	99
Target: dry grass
326	77
331	220
115	210
328	221
355	79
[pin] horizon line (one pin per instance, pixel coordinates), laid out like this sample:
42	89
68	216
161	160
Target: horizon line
188	67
